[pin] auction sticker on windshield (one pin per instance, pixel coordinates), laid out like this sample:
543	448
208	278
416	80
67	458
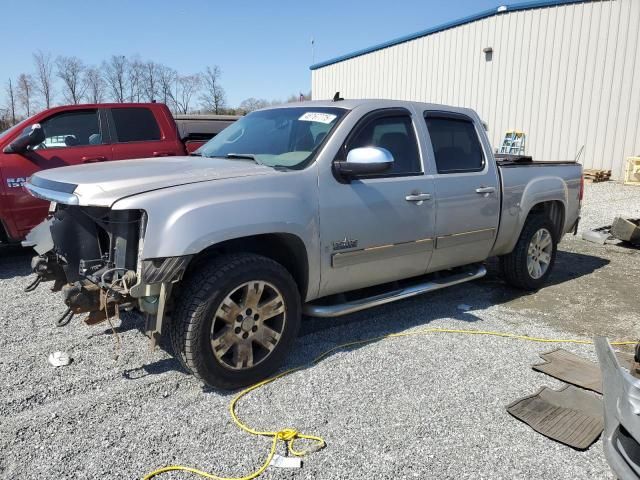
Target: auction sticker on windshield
317	117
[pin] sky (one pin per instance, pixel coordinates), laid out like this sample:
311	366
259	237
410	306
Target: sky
263	47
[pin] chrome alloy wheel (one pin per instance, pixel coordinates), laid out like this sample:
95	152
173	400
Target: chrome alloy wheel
539	253
248	325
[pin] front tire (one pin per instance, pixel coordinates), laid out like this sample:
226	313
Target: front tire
530	263
235	320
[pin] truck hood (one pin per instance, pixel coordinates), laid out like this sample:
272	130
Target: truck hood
102	184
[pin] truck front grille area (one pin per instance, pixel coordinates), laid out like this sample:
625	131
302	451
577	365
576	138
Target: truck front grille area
94	256
89	239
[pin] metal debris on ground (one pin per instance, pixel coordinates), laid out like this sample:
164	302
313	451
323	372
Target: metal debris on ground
624	229
59	359
597	175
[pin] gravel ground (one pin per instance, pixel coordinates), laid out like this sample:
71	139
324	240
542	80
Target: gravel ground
422	406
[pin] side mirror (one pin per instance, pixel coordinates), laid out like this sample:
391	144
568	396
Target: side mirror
364	161
30	137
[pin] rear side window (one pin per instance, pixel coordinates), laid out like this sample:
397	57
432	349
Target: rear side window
455	145
395	133
135	125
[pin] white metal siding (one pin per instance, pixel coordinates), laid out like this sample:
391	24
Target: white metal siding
566	75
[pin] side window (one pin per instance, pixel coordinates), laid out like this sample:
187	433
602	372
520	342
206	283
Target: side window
455	145
135	125
395	133
71	129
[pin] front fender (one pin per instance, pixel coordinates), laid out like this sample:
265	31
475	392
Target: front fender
187	219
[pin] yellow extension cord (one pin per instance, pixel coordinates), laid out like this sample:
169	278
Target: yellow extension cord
289	436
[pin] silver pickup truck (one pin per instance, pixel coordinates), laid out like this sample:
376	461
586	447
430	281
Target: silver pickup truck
317	208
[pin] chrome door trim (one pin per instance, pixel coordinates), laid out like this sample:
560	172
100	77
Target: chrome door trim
382	252
455	239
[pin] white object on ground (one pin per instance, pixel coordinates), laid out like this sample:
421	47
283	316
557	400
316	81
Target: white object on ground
59	359
285	462
464	307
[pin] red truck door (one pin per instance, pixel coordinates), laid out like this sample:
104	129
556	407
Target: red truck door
137	132
71	137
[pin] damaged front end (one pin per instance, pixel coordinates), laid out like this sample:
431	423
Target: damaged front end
93	256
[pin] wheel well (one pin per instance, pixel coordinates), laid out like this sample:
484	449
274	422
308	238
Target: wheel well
286	249
4	237
554	210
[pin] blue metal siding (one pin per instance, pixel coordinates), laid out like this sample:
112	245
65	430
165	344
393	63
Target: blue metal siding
446	26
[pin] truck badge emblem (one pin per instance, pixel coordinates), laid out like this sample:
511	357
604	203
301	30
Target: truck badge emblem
344	244
16	182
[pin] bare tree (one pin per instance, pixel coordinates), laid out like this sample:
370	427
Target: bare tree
166	79
151	81
70	71
24	92
11	98
115	74
94	85
213	98
44	76
135	74
251	104
186	86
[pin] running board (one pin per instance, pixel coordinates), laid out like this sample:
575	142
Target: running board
336	310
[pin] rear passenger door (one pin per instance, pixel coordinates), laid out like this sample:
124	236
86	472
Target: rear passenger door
136	133
467	190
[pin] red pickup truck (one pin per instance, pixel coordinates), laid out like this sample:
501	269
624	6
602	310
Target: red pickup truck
74	134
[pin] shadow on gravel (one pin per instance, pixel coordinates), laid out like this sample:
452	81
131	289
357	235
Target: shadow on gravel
568	266
15	261
396	317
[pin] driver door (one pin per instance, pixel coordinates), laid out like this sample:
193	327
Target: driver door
378	228
71	138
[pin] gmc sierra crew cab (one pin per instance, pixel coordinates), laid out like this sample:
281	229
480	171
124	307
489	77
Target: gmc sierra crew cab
76	134
317	208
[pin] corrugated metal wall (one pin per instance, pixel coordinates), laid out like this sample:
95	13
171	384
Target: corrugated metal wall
567	75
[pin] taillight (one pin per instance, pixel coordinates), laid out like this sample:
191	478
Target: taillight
581	187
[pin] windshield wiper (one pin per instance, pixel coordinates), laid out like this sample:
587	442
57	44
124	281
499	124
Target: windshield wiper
195	154
248	156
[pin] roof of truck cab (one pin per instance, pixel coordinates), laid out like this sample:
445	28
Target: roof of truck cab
350	104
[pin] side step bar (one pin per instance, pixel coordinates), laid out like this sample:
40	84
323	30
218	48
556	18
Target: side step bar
336	310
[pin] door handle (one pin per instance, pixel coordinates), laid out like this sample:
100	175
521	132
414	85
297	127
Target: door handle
163	154
93	159
485	189
418	197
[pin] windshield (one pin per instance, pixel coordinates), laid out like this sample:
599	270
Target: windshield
279	137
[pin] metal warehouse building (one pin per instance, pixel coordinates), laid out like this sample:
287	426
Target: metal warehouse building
566	72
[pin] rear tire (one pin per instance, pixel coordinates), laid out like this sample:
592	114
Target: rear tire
235	320
530	263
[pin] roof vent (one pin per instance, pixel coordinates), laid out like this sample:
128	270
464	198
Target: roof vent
502	8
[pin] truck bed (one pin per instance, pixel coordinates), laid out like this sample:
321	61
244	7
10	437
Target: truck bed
516	177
